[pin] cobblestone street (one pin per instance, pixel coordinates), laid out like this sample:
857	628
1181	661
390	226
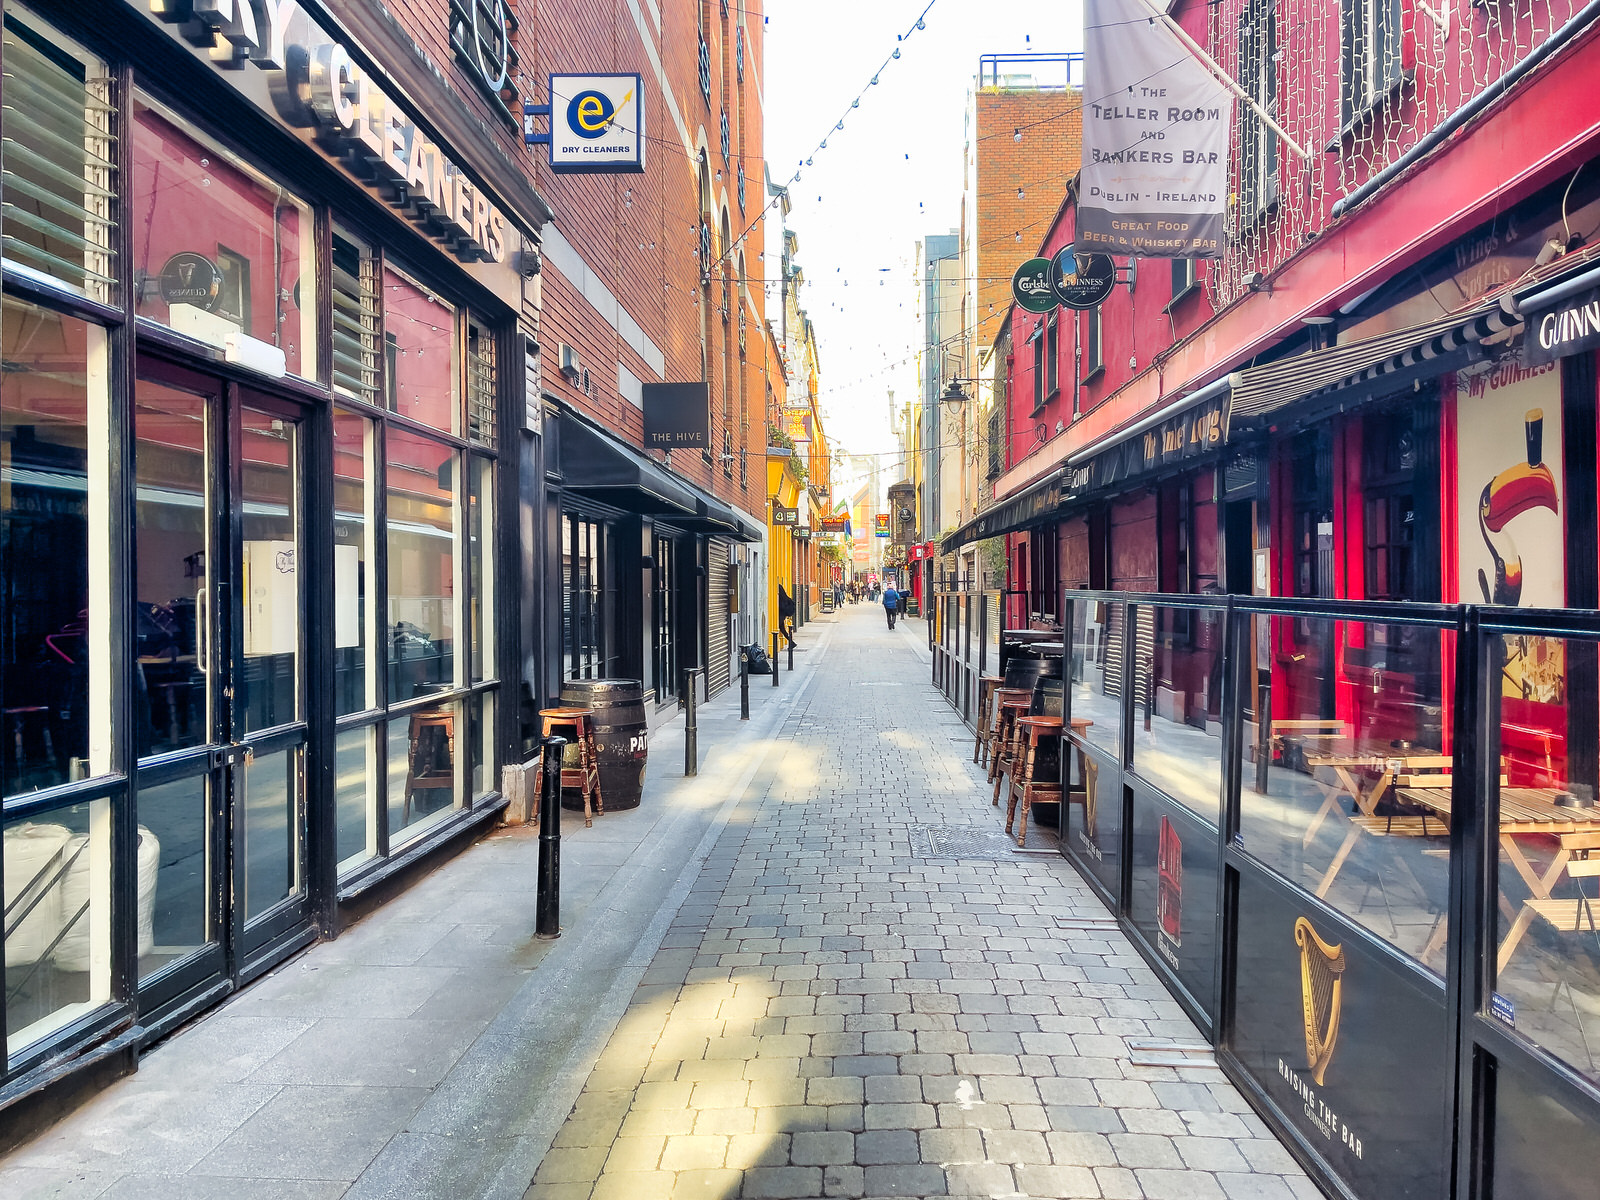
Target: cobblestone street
814	969
836	1012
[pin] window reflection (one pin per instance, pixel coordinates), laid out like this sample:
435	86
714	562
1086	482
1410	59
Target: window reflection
421	482
54	511
1177	702
353	452
1347	772
420	334
170	564
1097	673
1548	953
57	871
218	246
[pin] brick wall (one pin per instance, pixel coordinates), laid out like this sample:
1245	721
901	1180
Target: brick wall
1051	122
639	233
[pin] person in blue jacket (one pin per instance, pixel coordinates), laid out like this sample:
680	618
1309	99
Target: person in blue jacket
891	603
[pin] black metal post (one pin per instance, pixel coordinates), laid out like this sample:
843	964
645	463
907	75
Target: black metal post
547	905
691	728
744	686
791	658
775	659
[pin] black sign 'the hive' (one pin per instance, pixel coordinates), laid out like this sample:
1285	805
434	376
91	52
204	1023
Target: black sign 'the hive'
677	415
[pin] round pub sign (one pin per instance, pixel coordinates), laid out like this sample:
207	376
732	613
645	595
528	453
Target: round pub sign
1030	286
1081	280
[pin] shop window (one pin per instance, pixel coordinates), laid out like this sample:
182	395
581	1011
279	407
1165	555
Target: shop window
1258	74
1388	471
354	526
480	566
663	643
57	869
421	481
1092	364
427	773
355	319
55	518
355	796
584	621
1370	54
481	384
421	332
221	249
59	148
1183	278
1038	370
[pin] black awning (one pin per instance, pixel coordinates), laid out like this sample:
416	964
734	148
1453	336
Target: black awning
1033	506
714	517
608	469
1260	391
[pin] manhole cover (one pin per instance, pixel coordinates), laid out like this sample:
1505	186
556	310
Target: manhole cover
960	841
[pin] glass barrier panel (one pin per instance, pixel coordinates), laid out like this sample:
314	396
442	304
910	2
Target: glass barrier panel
1096	673
1346	770
57	871
1177	705
1548	958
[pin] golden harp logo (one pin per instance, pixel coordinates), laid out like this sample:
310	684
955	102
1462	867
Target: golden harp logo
1321	993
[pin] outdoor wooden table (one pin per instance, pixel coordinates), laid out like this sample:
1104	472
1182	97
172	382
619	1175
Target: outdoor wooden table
1365	776
1526	812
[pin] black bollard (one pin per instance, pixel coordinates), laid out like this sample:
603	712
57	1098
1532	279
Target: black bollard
791	656
744	685
547	904
691	730
774	660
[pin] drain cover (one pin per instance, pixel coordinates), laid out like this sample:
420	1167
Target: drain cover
960	841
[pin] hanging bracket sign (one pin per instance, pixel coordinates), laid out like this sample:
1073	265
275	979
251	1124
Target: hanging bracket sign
596	124
1030	286
1079	279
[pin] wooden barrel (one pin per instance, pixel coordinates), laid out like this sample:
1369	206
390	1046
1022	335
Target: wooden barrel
621	736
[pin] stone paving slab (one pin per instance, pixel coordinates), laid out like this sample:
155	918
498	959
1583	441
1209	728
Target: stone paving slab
836	1012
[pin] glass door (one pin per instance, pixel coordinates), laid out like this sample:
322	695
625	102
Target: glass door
219	678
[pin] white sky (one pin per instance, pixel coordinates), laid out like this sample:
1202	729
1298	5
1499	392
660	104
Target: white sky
890	178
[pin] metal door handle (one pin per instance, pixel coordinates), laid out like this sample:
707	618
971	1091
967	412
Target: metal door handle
202	630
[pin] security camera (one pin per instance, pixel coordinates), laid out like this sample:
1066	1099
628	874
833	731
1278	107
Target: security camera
530	262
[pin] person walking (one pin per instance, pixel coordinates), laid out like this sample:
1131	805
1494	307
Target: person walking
891	603
786	614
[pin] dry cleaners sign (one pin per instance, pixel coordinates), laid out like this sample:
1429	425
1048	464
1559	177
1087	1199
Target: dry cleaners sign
596	124
306	78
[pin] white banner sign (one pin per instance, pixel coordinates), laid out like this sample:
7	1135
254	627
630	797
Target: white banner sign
1155	139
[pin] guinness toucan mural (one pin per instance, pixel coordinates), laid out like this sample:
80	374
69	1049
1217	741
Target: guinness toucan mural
1514	491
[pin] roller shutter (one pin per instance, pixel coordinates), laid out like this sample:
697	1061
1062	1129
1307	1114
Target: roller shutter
719	637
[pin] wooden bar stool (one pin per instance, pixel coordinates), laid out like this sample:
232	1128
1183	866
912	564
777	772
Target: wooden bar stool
987	686
432	730
1003	762
586	774
1001	730
1030	732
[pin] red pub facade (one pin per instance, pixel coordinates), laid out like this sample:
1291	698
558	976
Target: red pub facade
1320	516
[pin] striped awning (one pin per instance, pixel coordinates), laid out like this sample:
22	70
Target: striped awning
1259	391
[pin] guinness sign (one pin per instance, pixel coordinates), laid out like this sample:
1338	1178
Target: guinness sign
1571	327
1080	279
190	278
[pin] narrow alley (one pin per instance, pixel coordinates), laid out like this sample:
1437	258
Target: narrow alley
814	970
